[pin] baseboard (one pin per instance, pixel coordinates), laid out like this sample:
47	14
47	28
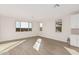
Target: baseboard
33	37
16	39
53	39
59	41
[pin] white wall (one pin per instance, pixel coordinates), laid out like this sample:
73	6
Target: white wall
49	29
75	25
8	29
74	40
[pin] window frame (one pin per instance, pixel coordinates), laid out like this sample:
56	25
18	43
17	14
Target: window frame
24	28
58	25
31	26
41	28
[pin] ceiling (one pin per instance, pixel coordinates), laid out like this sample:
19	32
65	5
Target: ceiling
37	11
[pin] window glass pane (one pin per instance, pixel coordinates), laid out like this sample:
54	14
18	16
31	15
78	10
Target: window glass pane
59	25
24	24
17	24
41	24
30	25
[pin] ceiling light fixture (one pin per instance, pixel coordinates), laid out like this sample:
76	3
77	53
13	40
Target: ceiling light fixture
57	5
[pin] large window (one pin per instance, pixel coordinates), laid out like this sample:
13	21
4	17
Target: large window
23	26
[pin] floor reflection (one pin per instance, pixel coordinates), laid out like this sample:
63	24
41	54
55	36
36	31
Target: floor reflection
37	44
8	46
72	51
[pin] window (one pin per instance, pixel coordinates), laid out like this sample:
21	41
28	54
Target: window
23	26
18	25
59	25
30	27
41	26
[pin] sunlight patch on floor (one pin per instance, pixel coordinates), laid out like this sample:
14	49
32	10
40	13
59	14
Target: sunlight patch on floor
8	46
72	51
37	44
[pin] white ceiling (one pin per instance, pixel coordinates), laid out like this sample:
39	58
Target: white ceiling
37	11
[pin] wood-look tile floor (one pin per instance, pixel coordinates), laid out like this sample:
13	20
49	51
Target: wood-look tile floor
47	47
